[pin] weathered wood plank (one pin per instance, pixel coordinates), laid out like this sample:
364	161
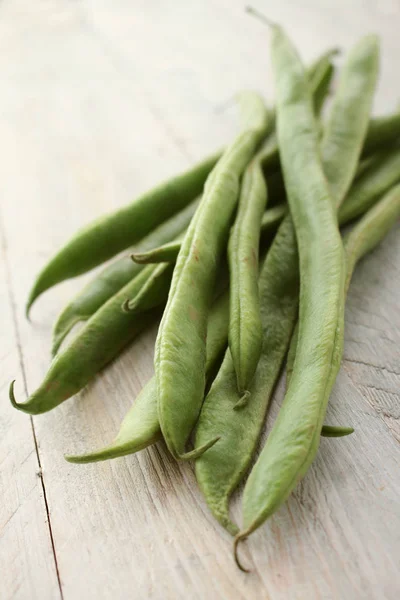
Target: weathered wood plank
26	557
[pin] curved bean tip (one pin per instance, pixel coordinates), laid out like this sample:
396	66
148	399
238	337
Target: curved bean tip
137	258
12	395
77	459
55	346
197	452
236	542
71	458
243	400
28	310
34	293
126	306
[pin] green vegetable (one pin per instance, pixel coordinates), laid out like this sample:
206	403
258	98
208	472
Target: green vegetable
104	335
180	345
245	331
169	252
294	439
140	428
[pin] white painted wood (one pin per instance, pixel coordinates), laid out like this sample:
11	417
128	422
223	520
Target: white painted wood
99	101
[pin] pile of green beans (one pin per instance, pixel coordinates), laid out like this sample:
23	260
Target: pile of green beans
244	259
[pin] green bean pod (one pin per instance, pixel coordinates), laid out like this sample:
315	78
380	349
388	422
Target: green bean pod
141	428
220	470
154	292
382	132
318	69
321	91
104	335
294	439
166	253
180	344
347	125
382	174
115	275
291	355
370	230
345	134
364	237
335	431
245	331
104	238
320	76
272	218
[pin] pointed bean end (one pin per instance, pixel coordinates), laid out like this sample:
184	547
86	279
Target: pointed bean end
243	400
197	452
12	395
126	306
28	310
78	459
54	350
137	258
72	458
236	541
55	346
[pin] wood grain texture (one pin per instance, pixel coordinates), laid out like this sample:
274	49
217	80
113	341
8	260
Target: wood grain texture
28	568
101	100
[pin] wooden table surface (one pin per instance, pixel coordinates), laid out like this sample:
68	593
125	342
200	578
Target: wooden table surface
98	102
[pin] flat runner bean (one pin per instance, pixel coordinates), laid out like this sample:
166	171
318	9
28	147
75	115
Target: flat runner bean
320	75
345	132
347	125
381	174
376	180
245	330
180	345
370	230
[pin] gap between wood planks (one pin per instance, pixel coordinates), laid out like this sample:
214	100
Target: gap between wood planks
12	302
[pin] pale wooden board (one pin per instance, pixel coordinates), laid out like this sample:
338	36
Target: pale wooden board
99	101
26	556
